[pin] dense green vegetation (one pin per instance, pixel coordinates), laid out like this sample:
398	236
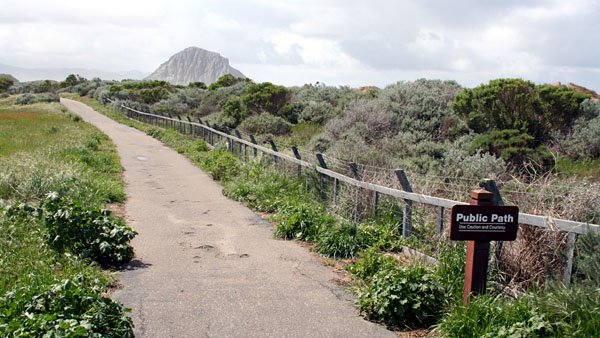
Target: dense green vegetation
420	127
56	174
504	128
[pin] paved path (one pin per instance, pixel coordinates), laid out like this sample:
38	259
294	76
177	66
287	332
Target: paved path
209	267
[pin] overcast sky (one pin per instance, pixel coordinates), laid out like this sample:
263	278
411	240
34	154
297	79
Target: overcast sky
337	42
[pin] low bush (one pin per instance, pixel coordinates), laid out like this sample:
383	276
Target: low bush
370	263
340	241
406	296
68	308
266	123
265	190
88	232
572	311
584	142
514	147
221	164
558	311
302	221
587	261
28	98
316	112
489	316
380	235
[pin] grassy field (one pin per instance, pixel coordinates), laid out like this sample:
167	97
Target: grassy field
44	149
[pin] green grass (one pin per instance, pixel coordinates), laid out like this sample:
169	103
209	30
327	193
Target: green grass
43	291
557	312
580	168
43	148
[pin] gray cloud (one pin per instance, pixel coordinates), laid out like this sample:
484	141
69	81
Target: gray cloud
317	40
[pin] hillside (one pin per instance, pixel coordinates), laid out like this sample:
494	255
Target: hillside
194	64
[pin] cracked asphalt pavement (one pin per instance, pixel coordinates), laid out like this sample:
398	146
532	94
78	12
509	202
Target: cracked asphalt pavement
207	266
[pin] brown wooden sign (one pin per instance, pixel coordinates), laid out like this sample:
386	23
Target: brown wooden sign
484	223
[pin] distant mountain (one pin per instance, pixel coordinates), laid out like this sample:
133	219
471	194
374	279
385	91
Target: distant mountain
59	74
194	64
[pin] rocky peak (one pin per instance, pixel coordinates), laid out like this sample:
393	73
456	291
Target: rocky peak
194	64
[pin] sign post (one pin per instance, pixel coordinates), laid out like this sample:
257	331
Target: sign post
479	223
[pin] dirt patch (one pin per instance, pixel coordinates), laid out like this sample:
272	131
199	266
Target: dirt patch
117	209
414	333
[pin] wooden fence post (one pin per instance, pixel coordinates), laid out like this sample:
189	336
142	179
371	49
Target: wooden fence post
239	136
211	134
201	130
439	221
322	164
477	253
569	253
228	141
274	148
358	177
298	157
253	140
191	127
407	214
375	202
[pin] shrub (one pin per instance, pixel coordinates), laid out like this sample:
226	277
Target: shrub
301	220
421	105
174	105
25	99
450	272
572	311
68	308
460	162
364	119
584	141
340	241
380	235
488	316
265	190
406	296
226	80
514	147
6	81
88	232
587	261
504	104
199	85
265	123
28	98
212	101
556	312
317	112
153	95
235	109
265	97
221	164
371	263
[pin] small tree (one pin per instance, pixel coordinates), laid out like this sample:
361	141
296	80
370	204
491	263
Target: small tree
72	80
265	97
226	80
505	104
6	81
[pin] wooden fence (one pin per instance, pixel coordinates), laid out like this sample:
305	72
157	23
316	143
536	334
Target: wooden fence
215	134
